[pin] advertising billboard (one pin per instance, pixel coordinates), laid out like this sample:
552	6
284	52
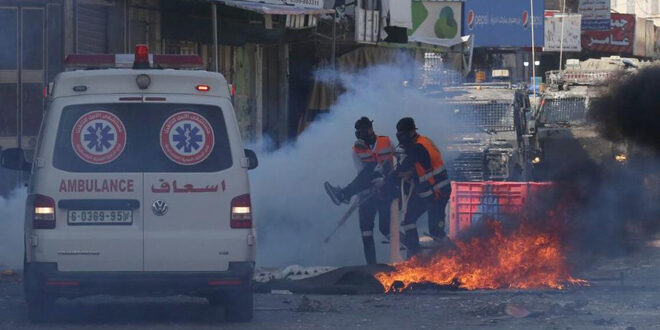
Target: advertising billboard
566	25
507	24
595	14
618	40
644	38
436	22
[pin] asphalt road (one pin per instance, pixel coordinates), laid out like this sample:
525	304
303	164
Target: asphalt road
609	304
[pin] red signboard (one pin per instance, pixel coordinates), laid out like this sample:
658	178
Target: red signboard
619	40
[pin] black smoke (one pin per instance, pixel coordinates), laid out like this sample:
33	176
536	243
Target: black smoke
614	208
630	110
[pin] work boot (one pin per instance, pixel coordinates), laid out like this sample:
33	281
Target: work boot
441	241
437	235
336	194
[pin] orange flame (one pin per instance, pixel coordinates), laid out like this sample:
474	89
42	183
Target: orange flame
523	259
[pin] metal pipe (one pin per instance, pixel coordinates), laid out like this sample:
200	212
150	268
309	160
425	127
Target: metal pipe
214	13
334	53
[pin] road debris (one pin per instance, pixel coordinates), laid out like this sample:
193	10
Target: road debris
280	292
292	272
312	305
605	322
517	311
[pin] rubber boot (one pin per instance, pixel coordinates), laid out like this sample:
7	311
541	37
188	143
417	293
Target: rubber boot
438	233
369	249
336	194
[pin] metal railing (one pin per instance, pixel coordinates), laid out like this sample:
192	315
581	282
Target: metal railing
578	77
467	166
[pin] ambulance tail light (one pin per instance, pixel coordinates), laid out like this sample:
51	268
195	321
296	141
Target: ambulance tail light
44	212
241	212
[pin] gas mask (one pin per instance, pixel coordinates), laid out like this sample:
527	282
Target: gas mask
404	137
366	135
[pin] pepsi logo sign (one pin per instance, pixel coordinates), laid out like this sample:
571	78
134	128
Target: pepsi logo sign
470	19
525	19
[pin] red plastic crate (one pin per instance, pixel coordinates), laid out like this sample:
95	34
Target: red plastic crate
470	202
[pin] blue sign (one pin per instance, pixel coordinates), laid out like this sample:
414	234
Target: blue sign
503	23
596	24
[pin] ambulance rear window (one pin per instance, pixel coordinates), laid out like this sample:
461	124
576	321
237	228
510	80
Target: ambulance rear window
139	137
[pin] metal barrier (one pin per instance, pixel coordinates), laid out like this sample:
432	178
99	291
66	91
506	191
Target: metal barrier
564	110
466	166
473	202
578	77
483	115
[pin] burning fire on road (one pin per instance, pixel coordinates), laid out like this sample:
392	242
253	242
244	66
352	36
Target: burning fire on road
526	257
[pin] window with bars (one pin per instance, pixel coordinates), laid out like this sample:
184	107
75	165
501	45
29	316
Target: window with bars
479	116
564	110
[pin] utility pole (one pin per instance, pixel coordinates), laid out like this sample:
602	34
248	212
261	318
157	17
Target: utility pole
214	19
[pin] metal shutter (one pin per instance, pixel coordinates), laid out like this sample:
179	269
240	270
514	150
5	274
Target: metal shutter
92	29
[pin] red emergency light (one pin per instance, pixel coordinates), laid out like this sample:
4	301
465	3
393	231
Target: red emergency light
141	57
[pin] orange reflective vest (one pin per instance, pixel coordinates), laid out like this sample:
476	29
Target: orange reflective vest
381	154
434	180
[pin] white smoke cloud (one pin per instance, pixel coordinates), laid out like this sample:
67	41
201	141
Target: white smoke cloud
292	210
12	211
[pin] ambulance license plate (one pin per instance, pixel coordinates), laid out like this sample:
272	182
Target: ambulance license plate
100	217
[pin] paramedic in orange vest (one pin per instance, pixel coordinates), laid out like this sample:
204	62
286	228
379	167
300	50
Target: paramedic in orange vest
423	163
374	158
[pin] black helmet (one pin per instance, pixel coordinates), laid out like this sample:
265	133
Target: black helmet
406	124
363	123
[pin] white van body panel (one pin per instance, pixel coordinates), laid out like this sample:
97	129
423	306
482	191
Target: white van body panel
84	248
195	233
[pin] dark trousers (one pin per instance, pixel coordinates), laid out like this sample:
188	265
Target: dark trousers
367	212
360	183
436	217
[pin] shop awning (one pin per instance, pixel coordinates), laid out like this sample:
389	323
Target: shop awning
267	8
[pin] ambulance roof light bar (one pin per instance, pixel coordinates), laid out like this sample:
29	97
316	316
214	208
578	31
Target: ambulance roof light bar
142	58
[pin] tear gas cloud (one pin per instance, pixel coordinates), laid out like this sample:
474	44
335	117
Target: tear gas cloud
11	229
292	210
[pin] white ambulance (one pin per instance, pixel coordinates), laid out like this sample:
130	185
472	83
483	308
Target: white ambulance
138	186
